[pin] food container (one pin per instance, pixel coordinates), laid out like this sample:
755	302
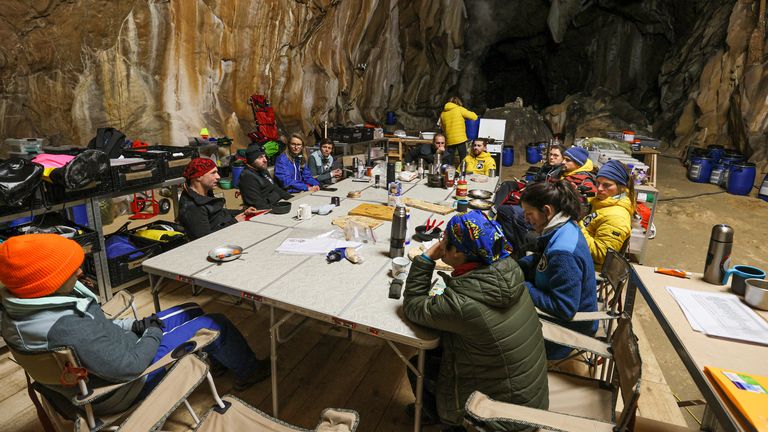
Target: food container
428	135
281	207
756	293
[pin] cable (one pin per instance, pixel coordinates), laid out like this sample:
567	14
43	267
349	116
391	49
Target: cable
690	196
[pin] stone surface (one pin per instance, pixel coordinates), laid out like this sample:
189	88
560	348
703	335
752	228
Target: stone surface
524	126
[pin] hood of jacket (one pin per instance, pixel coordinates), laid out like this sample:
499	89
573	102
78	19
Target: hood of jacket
587	167
449	106
19	307
621	201
498	285
198	199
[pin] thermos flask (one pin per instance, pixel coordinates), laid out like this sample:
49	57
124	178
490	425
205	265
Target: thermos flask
391	173
399	228
718	254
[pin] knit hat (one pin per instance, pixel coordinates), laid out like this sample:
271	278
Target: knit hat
614	170
577	154
36	265
198	167
477	237
253	152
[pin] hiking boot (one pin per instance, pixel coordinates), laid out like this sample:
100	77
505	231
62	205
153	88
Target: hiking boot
88	166
217	369
427	418
262	372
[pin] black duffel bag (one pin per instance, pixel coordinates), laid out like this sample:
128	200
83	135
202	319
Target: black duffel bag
19	178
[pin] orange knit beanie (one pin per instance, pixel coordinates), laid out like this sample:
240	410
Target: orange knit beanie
35	265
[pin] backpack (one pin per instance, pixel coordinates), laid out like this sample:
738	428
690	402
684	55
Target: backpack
109	140
264	116
19	178
509	193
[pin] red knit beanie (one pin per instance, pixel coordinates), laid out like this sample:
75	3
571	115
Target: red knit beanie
198	167
35	265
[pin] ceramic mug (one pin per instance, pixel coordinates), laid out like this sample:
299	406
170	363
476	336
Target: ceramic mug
304	212
399	265
740	274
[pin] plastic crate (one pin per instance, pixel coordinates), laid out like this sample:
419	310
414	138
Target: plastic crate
85	237
165	246
350	135
173	160
145	172
126	268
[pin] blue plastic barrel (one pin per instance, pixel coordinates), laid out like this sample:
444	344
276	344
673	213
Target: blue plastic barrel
391	117
532	153
236	171
741	177
700	169
508	156
80	214
715	152
472	126
718	174
763	193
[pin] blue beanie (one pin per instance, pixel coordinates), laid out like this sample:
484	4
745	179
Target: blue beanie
577	154
614	170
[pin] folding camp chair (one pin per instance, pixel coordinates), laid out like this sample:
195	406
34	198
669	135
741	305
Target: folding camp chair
575	403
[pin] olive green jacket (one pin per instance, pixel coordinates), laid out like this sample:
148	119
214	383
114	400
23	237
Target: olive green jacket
490	333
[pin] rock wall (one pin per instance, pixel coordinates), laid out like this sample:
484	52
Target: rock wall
161	70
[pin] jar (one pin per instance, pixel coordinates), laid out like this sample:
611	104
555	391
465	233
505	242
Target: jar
461	188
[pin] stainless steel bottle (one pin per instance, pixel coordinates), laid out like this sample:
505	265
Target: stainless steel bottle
399	228
420	169
438	163
718	254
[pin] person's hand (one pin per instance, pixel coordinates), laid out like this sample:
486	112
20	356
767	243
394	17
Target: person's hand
250	211
314	188
142	325
437	250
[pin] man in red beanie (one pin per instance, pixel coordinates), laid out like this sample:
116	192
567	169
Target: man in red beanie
200	212
46	307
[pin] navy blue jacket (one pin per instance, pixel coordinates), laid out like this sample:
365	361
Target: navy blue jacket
561	281
291	176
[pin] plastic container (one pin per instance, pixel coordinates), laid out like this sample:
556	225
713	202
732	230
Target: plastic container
236	171
508	156
391	117
715	152
763	193
461	189
473	127
741	177
532	153
80	214
718	174
700	169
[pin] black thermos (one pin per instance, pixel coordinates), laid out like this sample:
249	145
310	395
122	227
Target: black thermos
390	173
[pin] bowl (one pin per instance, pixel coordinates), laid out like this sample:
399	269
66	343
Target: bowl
428	135
756	294
225	253
225	184
480	204
480	194
281	207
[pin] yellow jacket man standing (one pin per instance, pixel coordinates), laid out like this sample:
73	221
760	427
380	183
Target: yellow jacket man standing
452	121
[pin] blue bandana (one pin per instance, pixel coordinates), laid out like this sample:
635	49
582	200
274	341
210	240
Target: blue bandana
614	170
477	237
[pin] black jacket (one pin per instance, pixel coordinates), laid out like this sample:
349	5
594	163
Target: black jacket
201	215
259	190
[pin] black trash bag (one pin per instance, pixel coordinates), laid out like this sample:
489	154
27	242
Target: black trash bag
109	140
19	178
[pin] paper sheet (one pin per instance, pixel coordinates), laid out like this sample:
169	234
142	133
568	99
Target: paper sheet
313	246
721	315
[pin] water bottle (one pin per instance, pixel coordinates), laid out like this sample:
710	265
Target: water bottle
399	228
355	164
718	254
420	169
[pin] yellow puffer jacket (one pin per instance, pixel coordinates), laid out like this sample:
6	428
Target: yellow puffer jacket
587	167
480	164
452	121
608	226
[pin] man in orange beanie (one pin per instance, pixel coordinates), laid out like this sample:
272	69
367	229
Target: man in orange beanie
200	212
46	307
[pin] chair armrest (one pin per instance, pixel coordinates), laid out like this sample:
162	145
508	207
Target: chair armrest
118	305
564	336
176	386
480	409
200	340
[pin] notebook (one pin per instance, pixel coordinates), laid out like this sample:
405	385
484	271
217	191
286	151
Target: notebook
749	393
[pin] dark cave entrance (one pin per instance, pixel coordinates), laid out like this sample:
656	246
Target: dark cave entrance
510	74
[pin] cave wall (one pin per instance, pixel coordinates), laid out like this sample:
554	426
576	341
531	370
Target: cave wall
161	70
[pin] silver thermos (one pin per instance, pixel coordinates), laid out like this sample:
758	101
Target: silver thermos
438	163
399	228
718	254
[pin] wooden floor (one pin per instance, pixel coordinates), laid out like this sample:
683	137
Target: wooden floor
318	368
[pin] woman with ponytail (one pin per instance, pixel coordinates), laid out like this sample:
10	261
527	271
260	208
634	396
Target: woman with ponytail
610	223
561	275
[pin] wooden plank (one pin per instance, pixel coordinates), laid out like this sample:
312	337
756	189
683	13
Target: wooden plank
364	220
375	211
427	206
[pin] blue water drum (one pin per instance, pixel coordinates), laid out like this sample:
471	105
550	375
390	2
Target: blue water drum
741	177
729	158
508	156
543	150
700	169
236	171
391	117
718	174
763	193
715	152
532	153
472	126
80	214
693	152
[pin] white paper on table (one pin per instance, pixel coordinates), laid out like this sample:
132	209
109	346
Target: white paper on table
722	315
313	246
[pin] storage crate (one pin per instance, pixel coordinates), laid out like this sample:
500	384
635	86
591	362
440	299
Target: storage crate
135	174
350	135
173	242
173	160
127	267
46	223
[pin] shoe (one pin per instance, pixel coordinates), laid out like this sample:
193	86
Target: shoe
427	418
88	166
217	369
262	372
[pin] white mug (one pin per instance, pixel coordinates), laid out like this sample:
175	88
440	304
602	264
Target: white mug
304	212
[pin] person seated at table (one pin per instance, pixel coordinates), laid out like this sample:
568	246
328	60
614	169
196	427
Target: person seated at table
609	224
579	170
479	161
491	338
45	307
555	157
560	276
256	185
291	168
200	212
321	163
427	152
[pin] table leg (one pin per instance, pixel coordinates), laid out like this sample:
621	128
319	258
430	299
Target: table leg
274	327
419	392
154	286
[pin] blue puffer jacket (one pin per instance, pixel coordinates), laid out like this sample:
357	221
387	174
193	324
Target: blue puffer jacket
291	176
561	281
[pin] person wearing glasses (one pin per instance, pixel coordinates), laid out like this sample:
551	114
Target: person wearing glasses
292	170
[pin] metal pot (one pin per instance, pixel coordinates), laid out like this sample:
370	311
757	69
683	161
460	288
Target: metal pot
756	293
435	180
